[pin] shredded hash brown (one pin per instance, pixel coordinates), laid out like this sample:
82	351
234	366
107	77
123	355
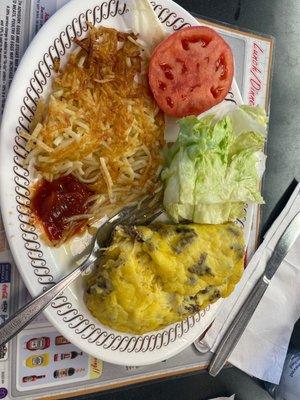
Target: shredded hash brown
101	123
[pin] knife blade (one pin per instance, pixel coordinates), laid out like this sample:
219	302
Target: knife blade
241	320
283	246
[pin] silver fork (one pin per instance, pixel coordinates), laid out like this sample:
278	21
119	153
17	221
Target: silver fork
149	210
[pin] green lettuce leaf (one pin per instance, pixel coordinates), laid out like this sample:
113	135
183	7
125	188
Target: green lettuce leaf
211	170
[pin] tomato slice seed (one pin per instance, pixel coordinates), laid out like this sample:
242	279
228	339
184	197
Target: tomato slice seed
183	65
194	87
170	102
162	85
165	67
219	62
169	75
216	91
185	44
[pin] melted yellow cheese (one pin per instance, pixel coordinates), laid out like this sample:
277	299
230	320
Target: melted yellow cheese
153	276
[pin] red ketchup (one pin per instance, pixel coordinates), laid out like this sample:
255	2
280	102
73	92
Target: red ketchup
54	202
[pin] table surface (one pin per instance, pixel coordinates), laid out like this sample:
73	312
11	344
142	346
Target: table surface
280	19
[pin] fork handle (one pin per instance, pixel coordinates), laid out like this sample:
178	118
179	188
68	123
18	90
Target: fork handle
237	327
13	325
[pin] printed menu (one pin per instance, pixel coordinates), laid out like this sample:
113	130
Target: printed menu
40	362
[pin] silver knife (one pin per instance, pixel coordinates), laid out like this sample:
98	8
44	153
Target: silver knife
238	325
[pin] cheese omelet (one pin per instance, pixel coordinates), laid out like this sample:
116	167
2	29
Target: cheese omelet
154	276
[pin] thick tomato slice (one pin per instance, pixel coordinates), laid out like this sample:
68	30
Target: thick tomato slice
190	71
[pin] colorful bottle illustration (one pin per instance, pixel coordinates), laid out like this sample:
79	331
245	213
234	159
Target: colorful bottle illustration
59	340
67	356
65	372
38	343
38	360
32	378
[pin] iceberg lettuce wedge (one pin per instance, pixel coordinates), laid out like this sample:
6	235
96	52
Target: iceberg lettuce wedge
211	170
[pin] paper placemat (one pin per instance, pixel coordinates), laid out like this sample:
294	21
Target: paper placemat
40	363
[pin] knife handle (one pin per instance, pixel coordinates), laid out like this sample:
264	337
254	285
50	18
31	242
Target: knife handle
237	327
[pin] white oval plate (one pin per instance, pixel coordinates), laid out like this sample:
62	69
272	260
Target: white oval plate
40	265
